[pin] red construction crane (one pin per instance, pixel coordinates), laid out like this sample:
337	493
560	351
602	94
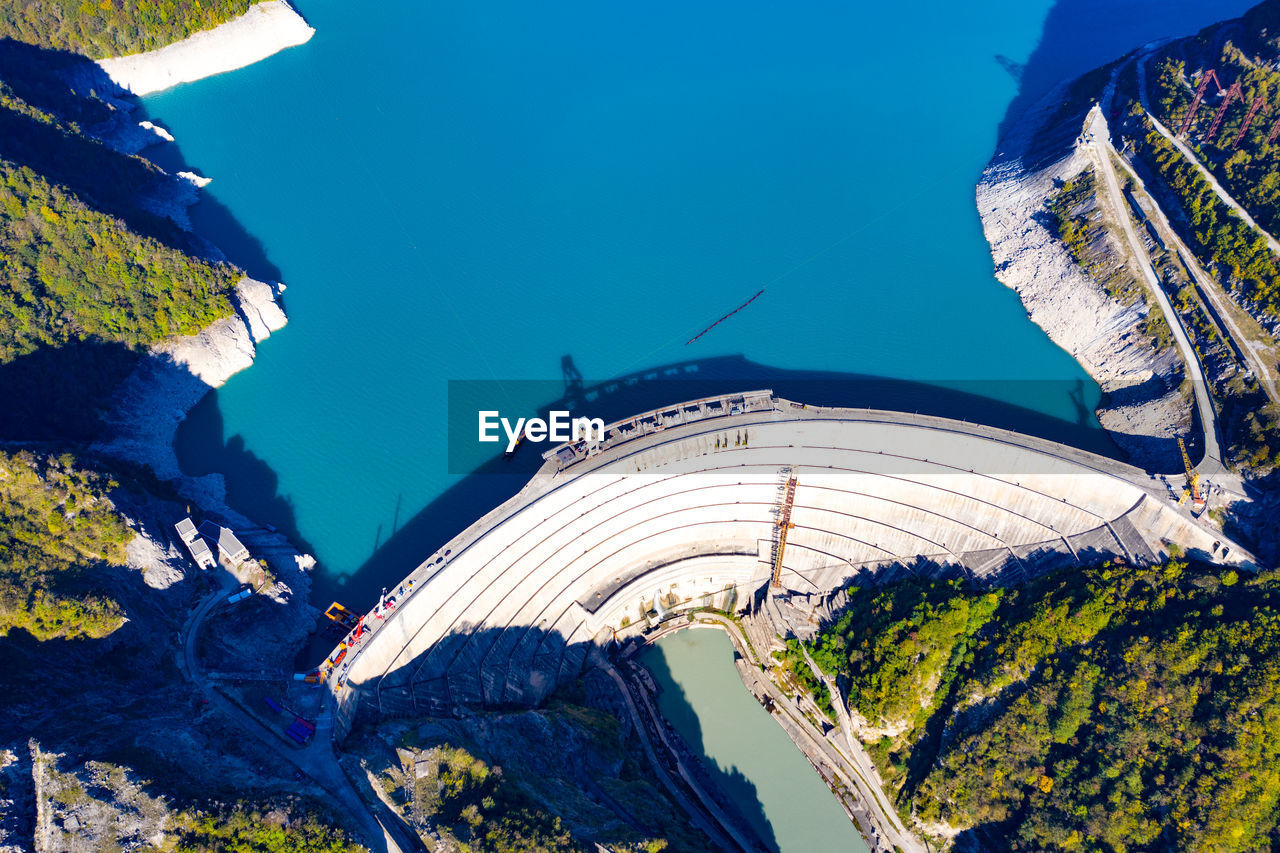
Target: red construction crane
1275	130
1257	104
1232	93
1195	102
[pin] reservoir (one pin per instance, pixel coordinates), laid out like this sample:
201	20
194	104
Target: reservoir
498	190
748	754
492	190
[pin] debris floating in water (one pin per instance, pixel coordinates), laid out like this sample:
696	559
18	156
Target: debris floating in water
725	317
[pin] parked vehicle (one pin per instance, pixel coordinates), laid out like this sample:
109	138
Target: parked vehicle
242	592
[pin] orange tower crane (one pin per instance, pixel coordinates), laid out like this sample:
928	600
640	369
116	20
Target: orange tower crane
1193	479
784	524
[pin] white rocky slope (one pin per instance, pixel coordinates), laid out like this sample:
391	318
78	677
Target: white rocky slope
156	397
265	29
1103	334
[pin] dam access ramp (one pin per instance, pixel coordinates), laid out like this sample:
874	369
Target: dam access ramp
679	508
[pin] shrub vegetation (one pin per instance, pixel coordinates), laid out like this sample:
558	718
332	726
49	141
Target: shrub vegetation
243	829
56	529
102	28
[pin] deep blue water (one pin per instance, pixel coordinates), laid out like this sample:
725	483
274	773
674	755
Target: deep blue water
476	190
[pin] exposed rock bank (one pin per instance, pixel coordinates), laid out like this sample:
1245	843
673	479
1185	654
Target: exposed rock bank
1143	413
151	403
176	374
265	29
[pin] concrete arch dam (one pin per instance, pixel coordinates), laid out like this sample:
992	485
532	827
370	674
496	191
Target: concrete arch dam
679	508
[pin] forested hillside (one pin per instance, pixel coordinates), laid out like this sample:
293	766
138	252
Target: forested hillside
561	779
1247	165
89	280
92	273
91	276
73	273
112	27
57	529
1250	169
1115	708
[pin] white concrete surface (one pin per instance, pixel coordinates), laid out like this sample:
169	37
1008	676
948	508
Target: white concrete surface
581	553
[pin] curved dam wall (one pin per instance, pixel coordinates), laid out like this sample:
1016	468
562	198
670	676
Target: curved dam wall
679	508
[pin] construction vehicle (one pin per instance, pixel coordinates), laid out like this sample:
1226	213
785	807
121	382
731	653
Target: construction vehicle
342	616
1193	481
315	676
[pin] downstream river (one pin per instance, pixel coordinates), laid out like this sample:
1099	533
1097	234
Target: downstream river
771	782
500	190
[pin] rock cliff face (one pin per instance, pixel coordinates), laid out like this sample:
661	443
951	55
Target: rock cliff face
176	374
265	29
1143	409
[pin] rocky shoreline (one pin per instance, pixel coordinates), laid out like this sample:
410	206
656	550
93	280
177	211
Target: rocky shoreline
174	376
154	400
1142	408
264	30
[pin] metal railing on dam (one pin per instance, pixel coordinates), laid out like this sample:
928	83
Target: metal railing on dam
679	508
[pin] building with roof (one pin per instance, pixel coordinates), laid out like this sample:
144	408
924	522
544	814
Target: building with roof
197	547
186	530
201	553
231	552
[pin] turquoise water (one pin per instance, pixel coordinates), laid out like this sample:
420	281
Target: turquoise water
474	190
752	758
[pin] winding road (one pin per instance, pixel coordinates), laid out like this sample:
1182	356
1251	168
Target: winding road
317	760
1098	134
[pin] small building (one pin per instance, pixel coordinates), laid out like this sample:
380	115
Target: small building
230	550
201	553
186	530
198	548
